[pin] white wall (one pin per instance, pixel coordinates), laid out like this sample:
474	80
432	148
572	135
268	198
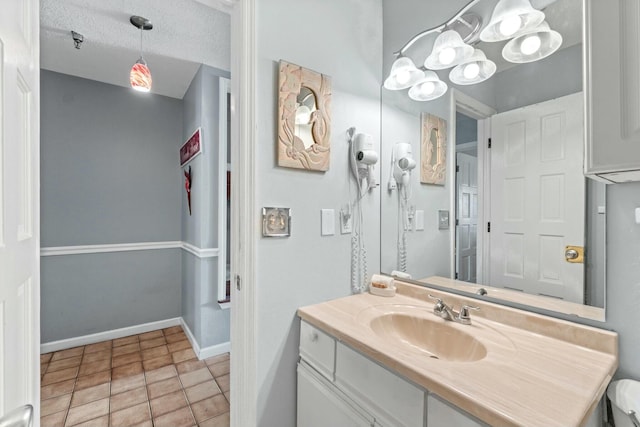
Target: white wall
343	39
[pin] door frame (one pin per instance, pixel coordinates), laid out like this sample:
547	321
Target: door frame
471	107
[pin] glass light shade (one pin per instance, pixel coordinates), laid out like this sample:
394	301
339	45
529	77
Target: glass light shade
140	76
448	51
522	49
511	18
430	87
403	74
477	69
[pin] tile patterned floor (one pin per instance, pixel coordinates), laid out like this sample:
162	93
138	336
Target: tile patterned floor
147	380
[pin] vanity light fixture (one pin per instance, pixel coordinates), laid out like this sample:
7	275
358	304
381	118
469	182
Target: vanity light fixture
140	75
531	40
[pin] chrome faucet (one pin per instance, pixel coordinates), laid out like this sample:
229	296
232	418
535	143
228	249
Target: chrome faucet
441	309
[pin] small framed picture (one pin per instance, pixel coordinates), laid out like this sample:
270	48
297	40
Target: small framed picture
276	222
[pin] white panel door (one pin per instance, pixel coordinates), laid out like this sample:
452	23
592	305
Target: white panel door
467	216
19	205
538	198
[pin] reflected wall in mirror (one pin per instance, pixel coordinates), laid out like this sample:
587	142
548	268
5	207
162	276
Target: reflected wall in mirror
518	204
304	118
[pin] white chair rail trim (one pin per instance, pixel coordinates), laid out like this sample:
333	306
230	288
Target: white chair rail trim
129	247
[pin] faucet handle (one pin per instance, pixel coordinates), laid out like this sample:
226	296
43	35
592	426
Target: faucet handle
439	306
464	316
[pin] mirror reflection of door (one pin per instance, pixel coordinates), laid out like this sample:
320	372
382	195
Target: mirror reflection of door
306	106
466	198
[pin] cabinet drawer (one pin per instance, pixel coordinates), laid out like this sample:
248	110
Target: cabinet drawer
318	349
441	413
391	399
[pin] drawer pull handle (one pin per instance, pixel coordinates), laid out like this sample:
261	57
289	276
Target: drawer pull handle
313	336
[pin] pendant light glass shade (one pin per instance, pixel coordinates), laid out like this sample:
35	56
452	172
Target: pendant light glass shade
477	69
511	18
429	88
140	76
448	51
403	74
533	45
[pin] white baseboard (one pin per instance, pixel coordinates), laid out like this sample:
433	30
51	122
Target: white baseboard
204	353
109	335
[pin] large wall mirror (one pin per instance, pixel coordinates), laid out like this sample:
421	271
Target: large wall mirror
524	224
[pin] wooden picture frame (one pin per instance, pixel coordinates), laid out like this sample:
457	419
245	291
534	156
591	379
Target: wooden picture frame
433	149
304	118
191	148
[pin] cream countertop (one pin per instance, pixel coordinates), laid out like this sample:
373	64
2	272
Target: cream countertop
538	371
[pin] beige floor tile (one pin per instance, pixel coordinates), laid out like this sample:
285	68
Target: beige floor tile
179	418
155	352
53	420
182	355
151	335
93	379
90	394
179	345
167	403
209	408
175	337
147	423
97	347
102	421
93	367
217	359
70	362
223	382
45	358
57	389
160	374
157	362
131	339
220	421
64	354
62	375
155	342
131	416
163	387
96	355
121	385
43	368
228	396
88	411
55	404
190	366
128	398
172	330
219	369
202	391
126	370
196	377
125	349
126	359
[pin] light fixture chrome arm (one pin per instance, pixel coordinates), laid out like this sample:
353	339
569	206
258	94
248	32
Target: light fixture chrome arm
436	29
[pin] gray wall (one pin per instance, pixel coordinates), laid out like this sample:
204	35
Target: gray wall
109	174
209	324
340	38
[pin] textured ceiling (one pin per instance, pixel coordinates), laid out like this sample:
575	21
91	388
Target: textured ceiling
185	34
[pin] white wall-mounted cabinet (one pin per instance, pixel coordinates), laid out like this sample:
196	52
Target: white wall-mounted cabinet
612	87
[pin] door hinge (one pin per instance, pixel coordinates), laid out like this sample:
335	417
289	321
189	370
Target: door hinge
457	168
238	285
489	143
457	221
489	227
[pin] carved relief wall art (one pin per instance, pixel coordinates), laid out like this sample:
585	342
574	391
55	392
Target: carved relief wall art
304	118
433	150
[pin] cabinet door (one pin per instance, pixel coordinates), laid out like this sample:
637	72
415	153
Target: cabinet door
612	62
440	413
321	405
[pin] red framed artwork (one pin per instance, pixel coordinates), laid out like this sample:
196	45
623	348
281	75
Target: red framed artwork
191	148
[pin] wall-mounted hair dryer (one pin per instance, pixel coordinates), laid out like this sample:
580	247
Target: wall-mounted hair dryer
403	163
363	159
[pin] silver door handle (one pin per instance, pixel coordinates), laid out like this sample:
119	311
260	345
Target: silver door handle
571	254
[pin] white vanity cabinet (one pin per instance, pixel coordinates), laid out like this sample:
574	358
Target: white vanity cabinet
339	387
612	83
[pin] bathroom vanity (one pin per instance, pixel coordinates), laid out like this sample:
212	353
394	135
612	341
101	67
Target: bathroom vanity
375	361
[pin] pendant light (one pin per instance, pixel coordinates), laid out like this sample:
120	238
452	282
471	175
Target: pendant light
403	74
511	18
429	88
477	69
448	51
533	45
140	75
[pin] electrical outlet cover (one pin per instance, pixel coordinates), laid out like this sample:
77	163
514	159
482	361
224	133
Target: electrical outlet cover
345	223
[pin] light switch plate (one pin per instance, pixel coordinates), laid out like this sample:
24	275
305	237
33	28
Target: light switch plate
637	215
419	220
443	220
328	222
